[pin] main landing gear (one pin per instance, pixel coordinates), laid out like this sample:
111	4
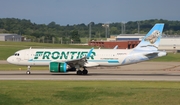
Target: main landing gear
84	72
28	70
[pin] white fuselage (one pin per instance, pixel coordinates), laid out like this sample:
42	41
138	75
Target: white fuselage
42	57
99	57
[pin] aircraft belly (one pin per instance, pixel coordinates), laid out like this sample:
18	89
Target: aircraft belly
25	62
41	63
108	64
91	64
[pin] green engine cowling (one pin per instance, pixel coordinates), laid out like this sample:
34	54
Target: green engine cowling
58	67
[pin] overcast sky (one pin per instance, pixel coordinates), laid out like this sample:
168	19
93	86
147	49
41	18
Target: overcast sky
71	12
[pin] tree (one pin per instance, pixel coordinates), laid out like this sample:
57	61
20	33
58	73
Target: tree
74	32
75	37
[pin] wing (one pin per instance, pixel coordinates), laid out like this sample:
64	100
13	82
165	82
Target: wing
81	61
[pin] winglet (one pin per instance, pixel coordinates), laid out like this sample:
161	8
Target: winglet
115	47
89	53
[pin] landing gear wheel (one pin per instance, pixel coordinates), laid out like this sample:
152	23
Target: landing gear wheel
79	72
85	72
28	72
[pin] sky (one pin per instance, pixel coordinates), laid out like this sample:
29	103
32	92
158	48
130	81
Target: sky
72	12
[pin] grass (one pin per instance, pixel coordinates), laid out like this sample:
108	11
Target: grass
89	93
171	57
35	44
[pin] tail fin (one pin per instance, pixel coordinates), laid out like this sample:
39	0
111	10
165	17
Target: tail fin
152	39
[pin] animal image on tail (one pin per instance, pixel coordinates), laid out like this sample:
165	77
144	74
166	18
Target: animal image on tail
153	37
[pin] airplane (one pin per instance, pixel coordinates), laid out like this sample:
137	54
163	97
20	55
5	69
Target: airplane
67	60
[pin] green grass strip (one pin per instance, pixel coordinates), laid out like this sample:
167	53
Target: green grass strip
89	93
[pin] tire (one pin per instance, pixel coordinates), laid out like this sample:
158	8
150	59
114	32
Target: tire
85	72
79	72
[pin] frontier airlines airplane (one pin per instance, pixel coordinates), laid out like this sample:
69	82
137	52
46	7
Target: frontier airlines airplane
66	60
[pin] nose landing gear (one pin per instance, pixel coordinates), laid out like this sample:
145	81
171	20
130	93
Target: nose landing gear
28	70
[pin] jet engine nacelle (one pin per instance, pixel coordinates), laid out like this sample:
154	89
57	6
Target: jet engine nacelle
58	67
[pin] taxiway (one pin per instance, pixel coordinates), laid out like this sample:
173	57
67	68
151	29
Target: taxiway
147	71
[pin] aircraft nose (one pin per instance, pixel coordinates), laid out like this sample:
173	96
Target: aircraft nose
10	59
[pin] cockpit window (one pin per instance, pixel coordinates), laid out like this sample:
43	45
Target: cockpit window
16	54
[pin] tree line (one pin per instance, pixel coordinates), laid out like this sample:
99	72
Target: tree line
73	33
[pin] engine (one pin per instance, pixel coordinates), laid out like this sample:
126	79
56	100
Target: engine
58	67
